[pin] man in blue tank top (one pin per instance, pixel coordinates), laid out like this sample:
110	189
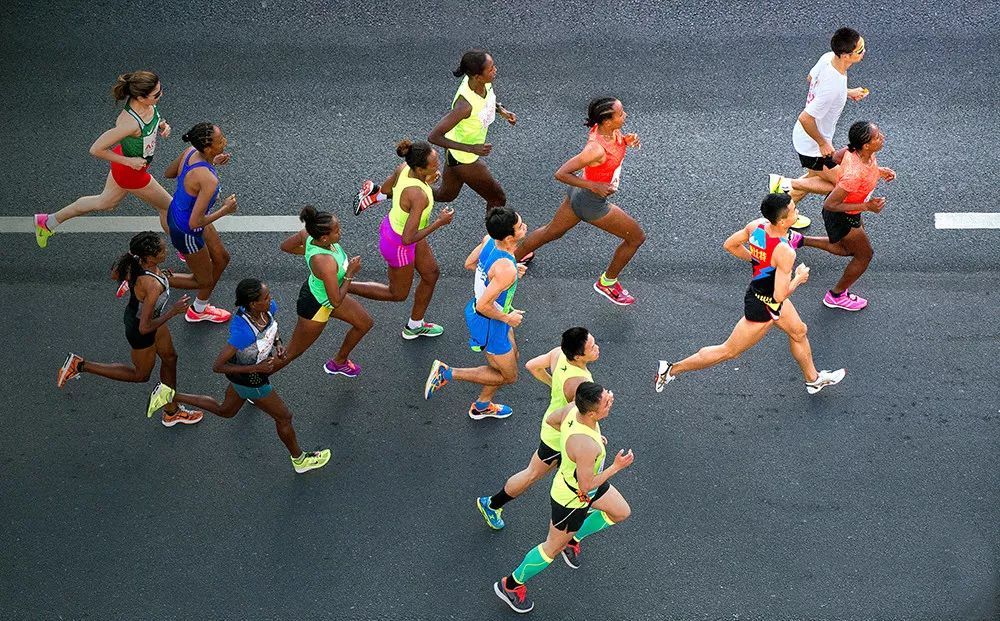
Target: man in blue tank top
490	315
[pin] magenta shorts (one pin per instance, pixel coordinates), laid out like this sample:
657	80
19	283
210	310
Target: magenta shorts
390	244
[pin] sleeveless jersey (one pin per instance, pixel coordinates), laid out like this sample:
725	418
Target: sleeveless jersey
472	129
858	178
145	144
316	286
761	247
610	170
487	257
398	217
182	204
134	307
565	486
557	397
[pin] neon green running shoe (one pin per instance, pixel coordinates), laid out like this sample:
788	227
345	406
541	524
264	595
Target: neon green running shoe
42	232
310	460
425	329
161	395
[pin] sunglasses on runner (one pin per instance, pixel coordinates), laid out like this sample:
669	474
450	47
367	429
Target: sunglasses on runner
157	94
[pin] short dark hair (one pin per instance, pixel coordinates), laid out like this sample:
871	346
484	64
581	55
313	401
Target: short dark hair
473	63
248	291
500	222
774	206
588	397
574	341
844	41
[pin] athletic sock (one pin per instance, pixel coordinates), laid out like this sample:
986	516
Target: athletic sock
498	500
299	459
480	405
835	294
534	562
200	305
510	583
51	223
446	374
413	324
380	197
607	282
595	522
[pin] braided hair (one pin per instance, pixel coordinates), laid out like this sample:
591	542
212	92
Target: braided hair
142	246
860	134
317	223
600	109
247	292
200	136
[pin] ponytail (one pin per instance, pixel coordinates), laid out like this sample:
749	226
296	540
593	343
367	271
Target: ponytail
473	63
200	136
135	84
129	266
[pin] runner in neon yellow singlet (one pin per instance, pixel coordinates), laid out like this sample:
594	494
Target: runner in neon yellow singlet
462	132
563	369
583	501
403	237
129	148
324	293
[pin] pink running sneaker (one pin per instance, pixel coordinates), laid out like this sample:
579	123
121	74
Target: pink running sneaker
795	239
615	293
42	232
122	289
846	301
181	256
367	196
211	313
348	369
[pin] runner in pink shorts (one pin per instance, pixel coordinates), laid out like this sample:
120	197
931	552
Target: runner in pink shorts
403	237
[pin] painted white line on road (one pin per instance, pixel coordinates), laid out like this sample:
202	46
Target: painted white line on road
967	220
134	224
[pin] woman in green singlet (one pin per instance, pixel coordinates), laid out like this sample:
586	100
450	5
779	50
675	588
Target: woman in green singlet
324	293
129	147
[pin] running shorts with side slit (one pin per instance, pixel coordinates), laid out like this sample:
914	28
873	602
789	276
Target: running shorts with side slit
252	392
586	205
185	243
308	307
839	223
570	519
547	454
127	177
491	335
760	308
810	162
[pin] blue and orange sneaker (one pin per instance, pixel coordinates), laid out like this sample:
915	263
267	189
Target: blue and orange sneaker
492	410
439	376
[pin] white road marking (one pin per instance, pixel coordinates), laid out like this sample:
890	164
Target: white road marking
135	224
966	220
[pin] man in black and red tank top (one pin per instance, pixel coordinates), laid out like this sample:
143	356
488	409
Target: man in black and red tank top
764	243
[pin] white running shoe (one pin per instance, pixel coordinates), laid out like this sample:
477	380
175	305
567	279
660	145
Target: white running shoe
826	378
663	376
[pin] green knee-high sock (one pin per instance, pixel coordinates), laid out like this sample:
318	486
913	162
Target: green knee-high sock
595	522
534	562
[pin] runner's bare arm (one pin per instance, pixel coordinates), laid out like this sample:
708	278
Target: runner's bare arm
540	366
125	126
461	111
591	154
783	259
473	258
295	244
735	244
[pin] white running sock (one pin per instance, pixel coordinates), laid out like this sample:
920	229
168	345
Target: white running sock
200	305
380	197
413	324
51	223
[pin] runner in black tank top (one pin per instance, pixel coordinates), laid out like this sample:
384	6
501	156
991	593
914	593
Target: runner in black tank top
146	317
764	244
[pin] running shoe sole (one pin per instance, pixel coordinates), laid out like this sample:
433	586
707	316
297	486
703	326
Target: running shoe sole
210	319
61	379
839	376
410	337
152	404
500	593
482	416
306	468
662	367
796	225
429	384
565	557
366	188
614	301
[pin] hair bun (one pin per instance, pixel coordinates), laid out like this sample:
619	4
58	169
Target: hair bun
308	214
403	147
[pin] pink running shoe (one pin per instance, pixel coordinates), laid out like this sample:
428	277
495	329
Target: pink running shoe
181	256
615	293
211	313
367	196
348	369
845	301
122	289
795	239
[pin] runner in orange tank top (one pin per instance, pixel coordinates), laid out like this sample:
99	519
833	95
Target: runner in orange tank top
587	198
858	174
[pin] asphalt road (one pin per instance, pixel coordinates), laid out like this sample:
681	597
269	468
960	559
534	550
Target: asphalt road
876	499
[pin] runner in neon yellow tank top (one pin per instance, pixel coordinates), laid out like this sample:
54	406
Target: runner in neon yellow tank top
583	501
324	293
403	237
563	369
129	148
462	132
